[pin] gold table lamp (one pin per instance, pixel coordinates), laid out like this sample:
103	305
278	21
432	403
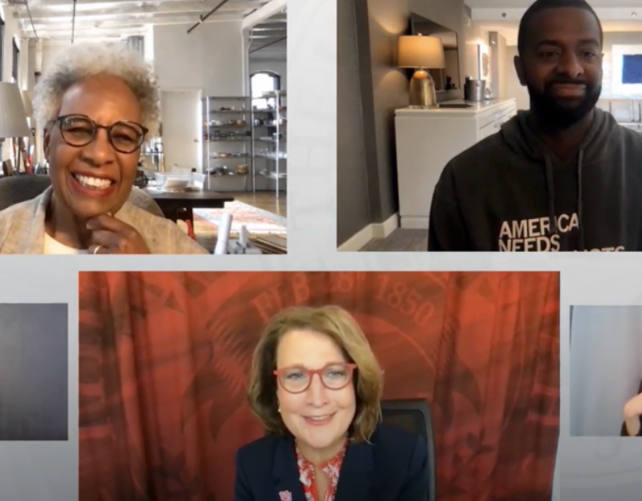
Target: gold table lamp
421	53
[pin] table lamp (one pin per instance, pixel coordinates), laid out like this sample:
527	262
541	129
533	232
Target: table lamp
421	53
13	119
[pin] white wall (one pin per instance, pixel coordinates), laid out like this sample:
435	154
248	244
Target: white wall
605	367
11	29
278	67
473	35
210	58
512	86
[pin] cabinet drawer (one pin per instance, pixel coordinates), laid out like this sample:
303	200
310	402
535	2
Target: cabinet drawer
487	130
502	119
485	119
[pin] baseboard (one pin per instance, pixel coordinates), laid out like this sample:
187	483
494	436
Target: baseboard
385	229
415	222
374	230
357	241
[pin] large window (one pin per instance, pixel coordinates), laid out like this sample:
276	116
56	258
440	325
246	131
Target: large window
262	82
15	62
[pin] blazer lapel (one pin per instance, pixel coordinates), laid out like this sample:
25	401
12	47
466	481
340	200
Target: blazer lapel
357	470
286	472
27	232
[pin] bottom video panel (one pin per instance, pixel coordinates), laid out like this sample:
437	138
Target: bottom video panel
285	386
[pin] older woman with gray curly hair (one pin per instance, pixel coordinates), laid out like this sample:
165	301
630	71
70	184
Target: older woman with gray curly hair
97	105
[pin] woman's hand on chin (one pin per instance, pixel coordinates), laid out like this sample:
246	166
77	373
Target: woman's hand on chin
112	236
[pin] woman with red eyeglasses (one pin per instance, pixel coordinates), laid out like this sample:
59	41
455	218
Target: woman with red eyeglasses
316	386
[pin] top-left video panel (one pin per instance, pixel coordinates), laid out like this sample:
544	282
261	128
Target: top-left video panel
143	129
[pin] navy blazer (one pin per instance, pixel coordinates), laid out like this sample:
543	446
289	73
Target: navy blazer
393	468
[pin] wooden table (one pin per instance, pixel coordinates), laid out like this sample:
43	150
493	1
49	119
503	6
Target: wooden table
181	205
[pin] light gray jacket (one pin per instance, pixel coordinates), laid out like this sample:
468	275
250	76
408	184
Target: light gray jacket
22	229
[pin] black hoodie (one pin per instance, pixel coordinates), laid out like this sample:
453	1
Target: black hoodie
510	193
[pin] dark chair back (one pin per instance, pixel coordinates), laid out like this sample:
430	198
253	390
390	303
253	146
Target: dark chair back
16	189
413	416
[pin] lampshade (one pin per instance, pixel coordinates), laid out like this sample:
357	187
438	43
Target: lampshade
13	119
417	51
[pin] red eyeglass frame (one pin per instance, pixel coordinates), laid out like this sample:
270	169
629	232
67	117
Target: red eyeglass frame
319	372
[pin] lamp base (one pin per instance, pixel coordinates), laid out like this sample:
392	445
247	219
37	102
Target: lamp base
422	90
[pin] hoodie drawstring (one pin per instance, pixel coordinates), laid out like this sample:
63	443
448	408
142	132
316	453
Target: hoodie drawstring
580	209
550	188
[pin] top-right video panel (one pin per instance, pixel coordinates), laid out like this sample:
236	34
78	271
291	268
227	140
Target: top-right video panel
473	128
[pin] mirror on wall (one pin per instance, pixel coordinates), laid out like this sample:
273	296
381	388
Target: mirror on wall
447	79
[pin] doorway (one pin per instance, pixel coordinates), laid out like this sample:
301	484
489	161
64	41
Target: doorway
181	117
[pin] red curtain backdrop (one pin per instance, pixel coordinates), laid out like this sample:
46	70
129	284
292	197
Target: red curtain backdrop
164	361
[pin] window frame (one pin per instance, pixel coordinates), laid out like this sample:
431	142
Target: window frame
15	62
2	31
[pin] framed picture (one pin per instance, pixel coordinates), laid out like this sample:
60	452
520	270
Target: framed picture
626	77
483	63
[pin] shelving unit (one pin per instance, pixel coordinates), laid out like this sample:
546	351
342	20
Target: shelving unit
228	158
269	141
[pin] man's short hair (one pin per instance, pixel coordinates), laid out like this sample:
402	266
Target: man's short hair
540	5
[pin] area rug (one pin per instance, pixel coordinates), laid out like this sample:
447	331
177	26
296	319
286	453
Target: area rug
257	221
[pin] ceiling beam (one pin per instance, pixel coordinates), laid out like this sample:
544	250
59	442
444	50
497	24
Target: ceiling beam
116	22
87	30
264	38
47	14
267	11
59	22
54	3
125	26
140	17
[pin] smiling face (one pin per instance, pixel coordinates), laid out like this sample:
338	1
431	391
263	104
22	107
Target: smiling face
94	179
318	417
561	64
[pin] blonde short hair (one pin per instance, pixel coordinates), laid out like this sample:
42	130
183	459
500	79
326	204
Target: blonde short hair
339	325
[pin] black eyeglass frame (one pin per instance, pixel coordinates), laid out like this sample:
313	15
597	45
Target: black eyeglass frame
59	120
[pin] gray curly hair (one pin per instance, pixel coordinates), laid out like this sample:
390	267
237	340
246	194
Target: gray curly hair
81	61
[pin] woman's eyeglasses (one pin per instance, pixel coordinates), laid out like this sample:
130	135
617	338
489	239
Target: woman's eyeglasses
80	130
298	379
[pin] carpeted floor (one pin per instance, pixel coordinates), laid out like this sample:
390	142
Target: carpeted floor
400	240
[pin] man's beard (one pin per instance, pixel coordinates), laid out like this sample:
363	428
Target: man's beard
554	113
